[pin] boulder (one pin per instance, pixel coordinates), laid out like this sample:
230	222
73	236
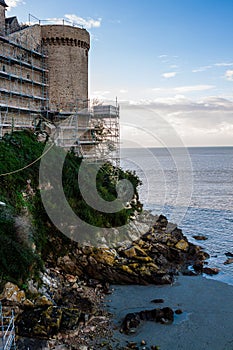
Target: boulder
133	320
228	261
39	322
210	270
11	292
200	238
182	245
43	301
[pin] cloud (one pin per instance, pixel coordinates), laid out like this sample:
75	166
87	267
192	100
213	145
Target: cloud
193	88
201	69
223	64
184	89
13	3
203	122
229	75
162	56
123	91
86	23
169	75
114	21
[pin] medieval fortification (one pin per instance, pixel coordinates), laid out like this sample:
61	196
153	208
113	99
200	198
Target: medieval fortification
44	83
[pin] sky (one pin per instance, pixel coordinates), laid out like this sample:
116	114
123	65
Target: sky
168	62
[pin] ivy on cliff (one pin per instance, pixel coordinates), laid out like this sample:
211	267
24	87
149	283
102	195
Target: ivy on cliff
18	260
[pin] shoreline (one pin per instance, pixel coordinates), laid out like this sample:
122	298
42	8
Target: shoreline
205	324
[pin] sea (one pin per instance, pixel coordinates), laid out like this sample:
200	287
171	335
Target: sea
193	187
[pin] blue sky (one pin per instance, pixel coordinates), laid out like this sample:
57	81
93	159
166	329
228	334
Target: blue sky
174	57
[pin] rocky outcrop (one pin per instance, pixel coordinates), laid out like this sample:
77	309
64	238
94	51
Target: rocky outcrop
67	302
159	254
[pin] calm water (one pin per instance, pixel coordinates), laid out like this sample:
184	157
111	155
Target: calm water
194	188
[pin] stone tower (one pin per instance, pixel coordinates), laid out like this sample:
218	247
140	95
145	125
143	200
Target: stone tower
67	50
3	7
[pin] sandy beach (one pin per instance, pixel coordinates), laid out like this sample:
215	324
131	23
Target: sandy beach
206	322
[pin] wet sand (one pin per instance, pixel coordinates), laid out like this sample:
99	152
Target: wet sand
206	322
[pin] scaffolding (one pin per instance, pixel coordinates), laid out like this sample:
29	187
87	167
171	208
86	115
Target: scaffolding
23	75
7	331
93	134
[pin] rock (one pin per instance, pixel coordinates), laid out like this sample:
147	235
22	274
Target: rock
157	301
178	312
71	278
43	301
69	266
39	322
133	320
228	261
200	238
210	270
143	342
229	254
11	292
104	256
182	245
28	303
32	288
130	252
70	318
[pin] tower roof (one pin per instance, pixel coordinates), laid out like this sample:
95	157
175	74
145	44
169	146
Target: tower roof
2	2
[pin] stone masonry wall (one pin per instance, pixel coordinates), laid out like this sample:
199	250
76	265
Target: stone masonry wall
2	20
67	49
29	37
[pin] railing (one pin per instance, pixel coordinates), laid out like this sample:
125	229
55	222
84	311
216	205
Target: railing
7	333
34	20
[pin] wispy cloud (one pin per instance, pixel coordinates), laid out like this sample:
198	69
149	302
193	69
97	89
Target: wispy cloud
224	64
14	3
184	89
193	88
162	56
229	74
85	22
169	75
114	21
123	91
201	69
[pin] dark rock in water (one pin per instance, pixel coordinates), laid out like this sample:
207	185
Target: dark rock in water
228	261
229	254
198	267
200	238
157	301
210	270
178	312
133	320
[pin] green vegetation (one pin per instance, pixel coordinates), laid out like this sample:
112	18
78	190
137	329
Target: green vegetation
23	250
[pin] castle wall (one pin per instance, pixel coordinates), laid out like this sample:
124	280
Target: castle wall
67	49
28	37
2	20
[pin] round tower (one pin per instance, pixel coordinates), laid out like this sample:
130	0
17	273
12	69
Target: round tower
3	7
67	50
